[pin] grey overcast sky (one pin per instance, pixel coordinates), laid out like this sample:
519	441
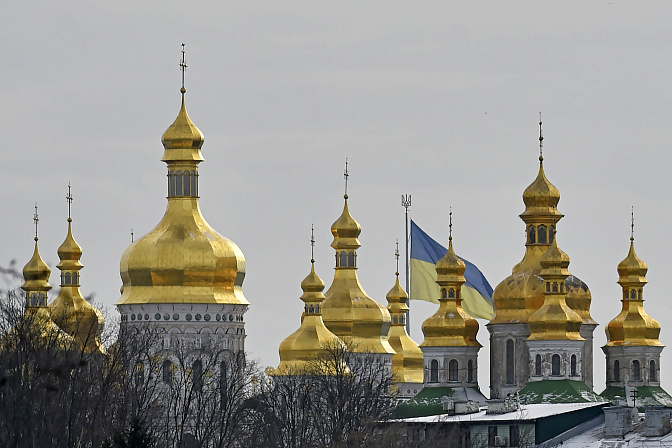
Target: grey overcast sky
438	99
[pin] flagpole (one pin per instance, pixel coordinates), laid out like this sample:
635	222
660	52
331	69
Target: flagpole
406	203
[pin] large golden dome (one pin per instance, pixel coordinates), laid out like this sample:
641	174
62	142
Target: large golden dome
633	326
348	311
183	260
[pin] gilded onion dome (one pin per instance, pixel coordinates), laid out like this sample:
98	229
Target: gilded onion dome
450	326
183	260
555	320
70	310
633	326
521	294
407	364
36	275
348	311
301	352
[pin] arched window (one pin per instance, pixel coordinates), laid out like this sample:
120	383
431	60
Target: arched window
548	286
617	371
75	280
178	183
351	259
555	365
338	259
434	371
542	234
194	187
187	184
317	309
197	368
171	184
33	299
167	371
633	294
445	294
537	365
636	373
451	293
311	309
652	370
551	234
43	300
344	259
396	320
572	367
555	287
470	371
68	278
533	235
510	363
452	370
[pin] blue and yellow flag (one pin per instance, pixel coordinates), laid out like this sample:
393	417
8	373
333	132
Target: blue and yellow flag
425	253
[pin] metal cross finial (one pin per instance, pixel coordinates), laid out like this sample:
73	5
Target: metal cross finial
183	67
632	223
312	243
346	175
36	219
541	141
69	199
131	235
450	225
396	255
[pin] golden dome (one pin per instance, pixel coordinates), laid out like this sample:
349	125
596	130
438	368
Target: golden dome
408	362
346	230
300	352
36	274
450	326
555	320
348	311
70	310
633	326
183	260
541	197
182	140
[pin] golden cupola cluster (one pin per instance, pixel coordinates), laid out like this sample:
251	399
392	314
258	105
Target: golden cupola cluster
555	320
633	326
183	259
450	326
521	294
407	363
70	310
301	351
348	311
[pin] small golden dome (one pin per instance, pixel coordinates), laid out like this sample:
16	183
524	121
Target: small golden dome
541	197
300	353
182	140
70	251
346	230
36	273
450	326
555	320
633	326
408	362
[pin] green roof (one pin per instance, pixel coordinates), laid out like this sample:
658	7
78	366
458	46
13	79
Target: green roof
557	391
646	395
428	401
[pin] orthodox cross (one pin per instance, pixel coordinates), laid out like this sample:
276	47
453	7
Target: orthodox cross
450	225
69	199
345	176
312	243
396	255
36	219
183	67
632	223
541	141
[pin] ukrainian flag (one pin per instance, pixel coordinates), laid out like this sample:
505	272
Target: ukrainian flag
425	253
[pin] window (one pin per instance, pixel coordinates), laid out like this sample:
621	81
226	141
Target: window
451	294
551	234
573	365
187	184
652	370
633	294
542	234
434	371
514	435
555	365
167	371
396	320
445	294
344	259
197	368
311	309
171	184
617	371
533	235
555	287
492	434
452	370
537	365
194	189
351	259
510	364
636	374
470	371
68	278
